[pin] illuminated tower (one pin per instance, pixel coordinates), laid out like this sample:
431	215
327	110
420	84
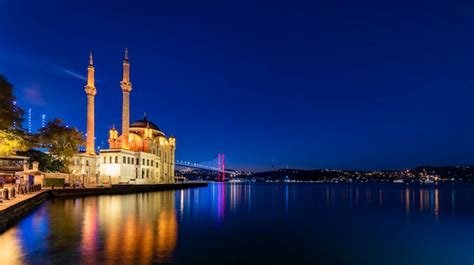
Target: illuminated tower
172	142
29	120
90	92
43	120
221	166
113	135
126	89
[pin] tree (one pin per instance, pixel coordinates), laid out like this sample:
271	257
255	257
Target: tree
47	163
61	141
12	137
12	141
10	113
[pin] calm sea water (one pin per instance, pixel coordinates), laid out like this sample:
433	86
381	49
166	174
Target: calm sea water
252	224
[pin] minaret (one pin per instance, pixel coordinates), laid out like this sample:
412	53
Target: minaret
126	89
91	92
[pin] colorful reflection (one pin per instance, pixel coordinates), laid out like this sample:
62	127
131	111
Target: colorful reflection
128	229
180	227
89	230
11	248
423	199
221	191
227	198
143	229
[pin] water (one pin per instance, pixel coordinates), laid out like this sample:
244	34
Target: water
252	224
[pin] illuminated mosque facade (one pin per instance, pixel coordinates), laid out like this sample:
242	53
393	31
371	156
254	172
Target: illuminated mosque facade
141	154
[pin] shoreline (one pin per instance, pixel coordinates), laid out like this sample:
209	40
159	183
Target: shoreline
21	207
355	183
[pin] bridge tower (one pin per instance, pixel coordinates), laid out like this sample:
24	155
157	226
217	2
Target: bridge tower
221	166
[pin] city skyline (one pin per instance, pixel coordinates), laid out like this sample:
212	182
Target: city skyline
319	87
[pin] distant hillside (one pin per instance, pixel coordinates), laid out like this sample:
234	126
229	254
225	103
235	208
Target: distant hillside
457	173
447	173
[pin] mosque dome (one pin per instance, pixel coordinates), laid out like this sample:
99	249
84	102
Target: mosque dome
144	123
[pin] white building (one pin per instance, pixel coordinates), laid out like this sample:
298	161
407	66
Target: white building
141	154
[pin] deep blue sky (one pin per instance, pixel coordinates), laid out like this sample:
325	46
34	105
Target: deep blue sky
310	84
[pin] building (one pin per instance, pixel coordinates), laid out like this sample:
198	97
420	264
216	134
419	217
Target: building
148	159
85	167
141	154
9	165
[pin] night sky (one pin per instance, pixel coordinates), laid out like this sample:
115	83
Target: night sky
310	84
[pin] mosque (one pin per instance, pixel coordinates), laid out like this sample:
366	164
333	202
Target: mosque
141	154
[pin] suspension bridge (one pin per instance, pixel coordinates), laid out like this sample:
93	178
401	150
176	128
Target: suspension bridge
216	164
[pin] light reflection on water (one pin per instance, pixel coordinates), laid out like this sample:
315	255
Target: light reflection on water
125	229
412	198
251	224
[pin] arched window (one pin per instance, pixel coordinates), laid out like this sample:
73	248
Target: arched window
116	159
110	159
105	160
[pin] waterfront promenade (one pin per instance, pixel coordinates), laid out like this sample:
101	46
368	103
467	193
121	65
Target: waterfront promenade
20	198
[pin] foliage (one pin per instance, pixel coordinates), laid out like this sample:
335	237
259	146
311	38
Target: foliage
10	114
12	141
12	138
61	141
47	163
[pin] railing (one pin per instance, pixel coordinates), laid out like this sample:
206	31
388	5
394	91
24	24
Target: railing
13	192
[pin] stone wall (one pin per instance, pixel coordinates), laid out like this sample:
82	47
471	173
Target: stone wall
14	213
124	189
